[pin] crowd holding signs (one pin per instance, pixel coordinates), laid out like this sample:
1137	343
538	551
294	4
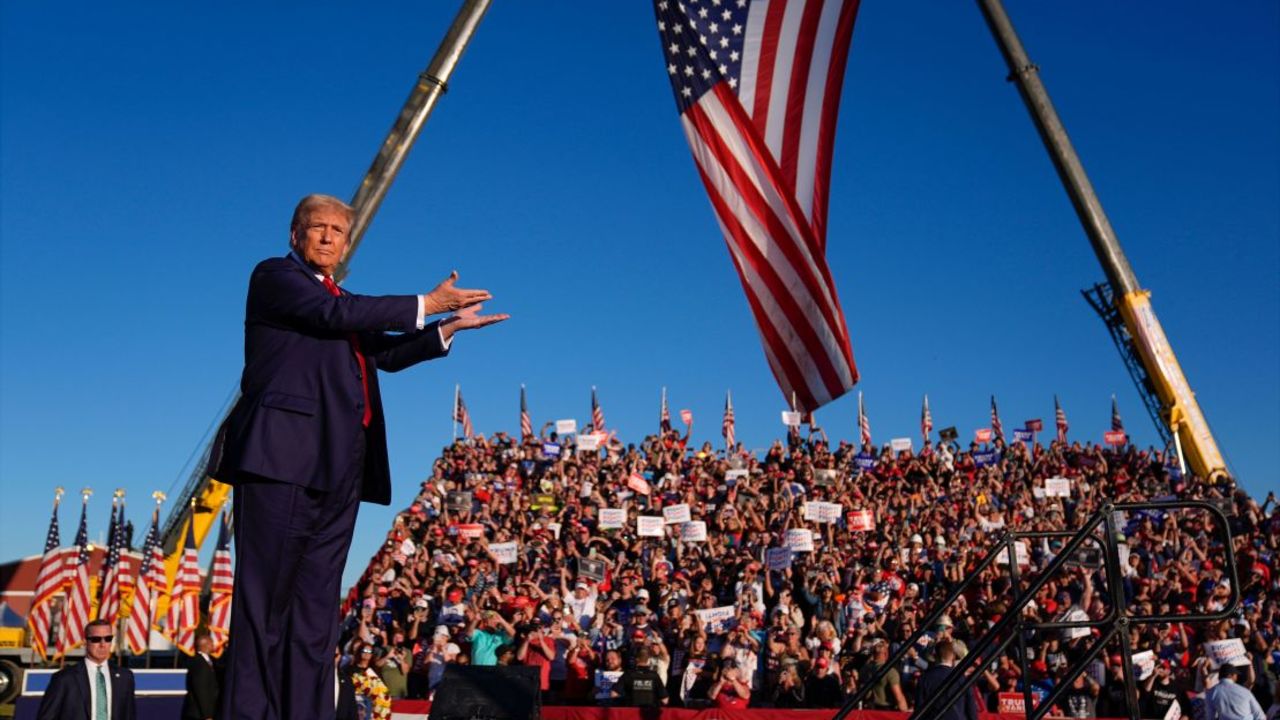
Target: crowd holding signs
790	574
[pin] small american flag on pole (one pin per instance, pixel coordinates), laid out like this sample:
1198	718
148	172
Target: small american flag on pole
864	424
147	591
996	427
597	415
1117	425
76	571
221	583
526	423
726	428
664	415
926	420
460	414
757	84
1060	419
117	568
184	608
48	585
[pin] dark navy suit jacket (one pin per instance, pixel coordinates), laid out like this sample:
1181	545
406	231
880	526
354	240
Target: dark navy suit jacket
69	695
930	682
301	403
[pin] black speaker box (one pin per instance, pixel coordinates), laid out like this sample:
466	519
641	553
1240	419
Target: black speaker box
468	692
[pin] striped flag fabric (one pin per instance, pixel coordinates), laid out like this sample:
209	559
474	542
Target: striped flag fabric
111	537
526	423
597	415
184	598
726	427
926	420
460	414
1117	425
147	591
221	583
117	566
864	424
757	84
1060	419
48	585
664	415
76	569
996	427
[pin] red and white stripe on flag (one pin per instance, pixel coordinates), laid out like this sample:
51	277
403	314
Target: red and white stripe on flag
48	585
758	88
184	608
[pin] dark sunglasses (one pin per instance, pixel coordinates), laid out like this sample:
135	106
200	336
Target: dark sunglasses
100	638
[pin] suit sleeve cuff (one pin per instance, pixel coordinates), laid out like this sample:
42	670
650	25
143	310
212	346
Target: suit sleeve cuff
422	317
444	343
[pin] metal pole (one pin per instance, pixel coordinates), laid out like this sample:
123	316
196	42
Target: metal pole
432	83
1026	75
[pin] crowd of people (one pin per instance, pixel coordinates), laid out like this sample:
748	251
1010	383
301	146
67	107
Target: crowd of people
532	551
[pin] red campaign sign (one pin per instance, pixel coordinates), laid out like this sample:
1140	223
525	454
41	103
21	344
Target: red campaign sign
982	435
470	531
686	416
1035	425
638	483
861	521
1012	703
1115	437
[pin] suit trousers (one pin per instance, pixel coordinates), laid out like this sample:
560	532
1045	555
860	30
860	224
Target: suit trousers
291	547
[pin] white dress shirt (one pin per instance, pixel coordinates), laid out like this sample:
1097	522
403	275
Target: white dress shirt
92	668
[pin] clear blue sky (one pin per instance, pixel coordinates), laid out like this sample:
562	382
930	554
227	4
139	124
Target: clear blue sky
151	155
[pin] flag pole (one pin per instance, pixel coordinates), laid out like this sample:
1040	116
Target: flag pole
159	497
453	416
117	624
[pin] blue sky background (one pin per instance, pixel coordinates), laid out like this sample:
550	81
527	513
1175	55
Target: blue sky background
150	155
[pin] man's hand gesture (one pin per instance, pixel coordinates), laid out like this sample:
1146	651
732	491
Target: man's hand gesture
468	318
447	298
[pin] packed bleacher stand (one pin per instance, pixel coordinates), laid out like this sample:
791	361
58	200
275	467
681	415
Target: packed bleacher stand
580	601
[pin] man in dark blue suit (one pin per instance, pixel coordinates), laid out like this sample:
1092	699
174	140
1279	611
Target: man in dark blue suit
94	689
931	680
304	445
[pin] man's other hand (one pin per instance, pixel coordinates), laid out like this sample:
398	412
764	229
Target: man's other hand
468	318
447	298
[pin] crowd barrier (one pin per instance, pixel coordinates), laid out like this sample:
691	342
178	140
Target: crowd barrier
419	709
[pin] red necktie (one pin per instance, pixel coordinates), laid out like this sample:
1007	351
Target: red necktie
332	287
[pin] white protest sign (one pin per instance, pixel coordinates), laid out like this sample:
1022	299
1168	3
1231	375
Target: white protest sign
506	553
1144	663
799	540
1037	493
1020	550
1174	712
790	418
566	427
676	514
778	558
717	620
555	529
822	512
1226	652
900	444
1057	487
649	526
735	475
611	518
695	531
861	521
588	443
1076	615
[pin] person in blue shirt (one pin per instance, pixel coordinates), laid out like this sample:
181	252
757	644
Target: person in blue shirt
1230	701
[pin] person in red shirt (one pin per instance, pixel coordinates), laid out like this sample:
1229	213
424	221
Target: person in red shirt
536	649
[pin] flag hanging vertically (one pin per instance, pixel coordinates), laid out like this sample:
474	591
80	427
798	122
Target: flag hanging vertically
460	414
864	424
48	585
664	415
757	84
926	420
526	423
117	568
597	415
220	586
76	571
996	427
1117	425
147	590
1060	419
184	598
726	427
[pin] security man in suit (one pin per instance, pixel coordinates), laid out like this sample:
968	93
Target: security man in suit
931	680
201	701
96	689
304	445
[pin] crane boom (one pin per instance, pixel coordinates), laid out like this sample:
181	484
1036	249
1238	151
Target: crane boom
1143	334
202	497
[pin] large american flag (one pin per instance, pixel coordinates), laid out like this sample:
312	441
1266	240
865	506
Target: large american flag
1060	419
1117	425
221	583
664	415
184	598
926	420
460	414
526	423
48	585
996	427
757	84
726	427
147	591
76	571
597	415
864	423
119	575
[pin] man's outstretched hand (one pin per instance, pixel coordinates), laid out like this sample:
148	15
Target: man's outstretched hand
468	318
447	298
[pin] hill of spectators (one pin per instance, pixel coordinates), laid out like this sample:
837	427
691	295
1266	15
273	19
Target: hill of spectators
529	552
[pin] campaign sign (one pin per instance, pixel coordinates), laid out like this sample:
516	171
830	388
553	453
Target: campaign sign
1226	652
591	569
824	478
733	476
554	527
1174	712
458	501
778	558
864	461
1020	550
718	619
649	526
544	501
861	521
1057	487
695	531
1012	703
949	433
612	518
506	553
566	427
791	418
822	512
550	450
470	531
639	484
686	417
799	540
900	444
1035	425
588	442
1144	663
1023	436
982	435
1115	437
986	458
676	514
